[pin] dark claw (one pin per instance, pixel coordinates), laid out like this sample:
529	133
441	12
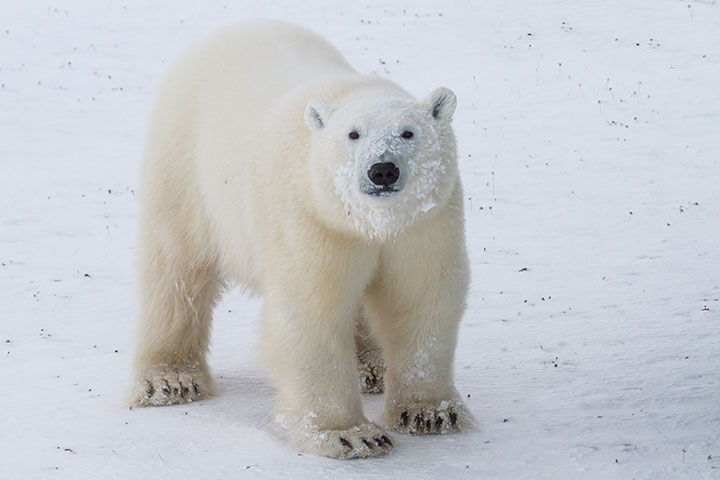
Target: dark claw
183	389
345	443
438	423
428	424
166	388
196	388
368	444
175	391
371	379
453	419
404	418
379	442
418	422
386	440
150	390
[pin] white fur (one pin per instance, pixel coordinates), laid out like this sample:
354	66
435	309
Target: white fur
249	176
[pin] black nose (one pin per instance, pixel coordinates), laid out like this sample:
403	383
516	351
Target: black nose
384	174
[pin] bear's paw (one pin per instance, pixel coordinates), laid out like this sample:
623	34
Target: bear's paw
360	441
171	385
418	418
371	369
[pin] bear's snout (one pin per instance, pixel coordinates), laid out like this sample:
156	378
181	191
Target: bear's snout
384	174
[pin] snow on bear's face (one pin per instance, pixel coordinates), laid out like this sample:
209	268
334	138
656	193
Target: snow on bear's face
379	166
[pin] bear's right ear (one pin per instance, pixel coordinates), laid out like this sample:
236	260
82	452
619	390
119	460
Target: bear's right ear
316	114
441	102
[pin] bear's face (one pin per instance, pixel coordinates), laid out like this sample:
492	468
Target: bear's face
379	166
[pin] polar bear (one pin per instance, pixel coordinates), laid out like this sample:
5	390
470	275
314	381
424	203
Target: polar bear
271	163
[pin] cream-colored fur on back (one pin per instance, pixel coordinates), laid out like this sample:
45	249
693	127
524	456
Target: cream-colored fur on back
236	188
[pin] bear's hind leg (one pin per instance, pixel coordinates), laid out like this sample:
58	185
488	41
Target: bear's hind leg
371	365
174	329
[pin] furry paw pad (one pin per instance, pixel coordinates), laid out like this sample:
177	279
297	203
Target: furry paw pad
168	385
431	418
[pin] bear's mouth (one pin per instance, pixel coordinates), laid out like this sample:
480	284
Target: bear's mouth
384	191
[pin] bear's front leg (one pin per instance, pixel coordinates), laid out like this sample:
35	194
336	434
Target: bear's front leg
416	302
419	342
308	341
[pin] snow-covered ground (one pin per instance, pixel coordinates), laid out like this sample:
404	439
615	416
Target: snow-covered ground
589	136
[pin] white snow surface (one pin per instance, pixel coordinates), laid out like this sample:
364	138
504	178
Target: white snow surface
589	142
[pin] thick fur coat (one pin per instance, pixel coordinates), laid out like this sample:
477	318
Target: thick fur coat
271	163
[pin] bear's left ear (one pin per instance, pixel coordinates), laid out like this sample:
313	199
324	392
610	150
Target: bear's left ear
441	102
317	114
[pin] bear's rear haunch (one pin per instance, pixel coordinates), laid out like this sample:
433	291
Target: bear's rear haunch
272	164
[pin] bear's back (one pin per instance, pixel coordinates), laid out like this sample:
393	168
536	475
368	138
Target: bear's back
259	62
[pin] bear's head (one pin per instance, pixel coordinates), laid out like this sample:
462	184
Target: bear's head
381	165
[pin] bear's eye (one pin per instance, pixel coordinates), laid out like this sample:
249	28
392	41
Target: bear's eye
407	134
354	135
